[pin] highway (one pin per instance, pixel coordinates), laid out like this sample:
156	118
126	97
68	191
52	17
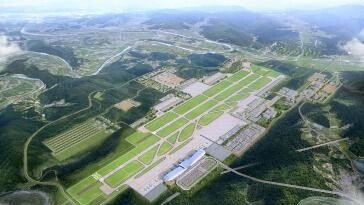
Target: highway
290	185
109	60
240	167
320	145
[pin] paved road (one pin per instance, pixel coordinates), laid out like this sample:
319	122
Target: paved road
26	147
320	145
238	168
69	67
290	185
108	61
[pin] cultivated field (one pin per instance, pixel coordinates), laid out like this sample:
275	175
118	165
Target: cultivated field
174	129
77	139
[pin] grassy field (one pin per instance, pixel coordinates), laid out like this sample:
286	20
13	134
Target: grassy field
228	92
136	137
159	122
186	132
217	88
185	107
172	139
220	108
248	80
260	70
148	157
86	190
236	98
164	148
237	76
209	117
124	173
261	82
201	109
172	127
149	141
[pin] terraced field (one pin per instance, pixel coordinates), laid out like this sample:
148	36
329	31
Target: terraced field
77	139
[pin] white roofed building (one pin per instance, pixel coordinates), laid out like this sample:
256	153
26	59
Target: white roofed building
172	175
192	159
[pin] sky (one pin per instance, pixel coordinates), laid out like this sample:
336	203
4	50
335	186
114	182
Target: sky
132	5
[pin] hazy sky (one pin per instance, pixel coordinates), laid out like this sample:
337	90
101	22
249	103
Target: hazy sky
126	5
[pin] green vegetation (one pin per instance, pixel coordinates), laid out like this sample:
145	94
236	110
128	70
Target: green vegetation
209	117
260	70
237	97
172	127
76	140
217	88
236	66
98	96
149	141
124	173
175	149
187	106
237	76
148	157
207	60
160	121
201	109
150	167
63	52
82	146
86	190
164	148
228	92
261	82
248	80
221	107
186	132
172	139
136	137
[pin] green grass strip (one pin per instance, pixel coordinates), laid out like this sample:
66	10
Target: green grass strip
86	190
259	83
164	148
160	121
208	118
237	76
185	107
217	88
186	132
201	109
124	173
172	127
148	157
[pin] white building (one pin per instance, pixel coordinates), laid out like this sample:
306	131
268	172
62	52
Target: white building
172	175
192	159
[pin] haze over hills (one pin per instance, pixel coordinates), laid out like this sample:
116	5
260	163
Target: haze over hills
210	104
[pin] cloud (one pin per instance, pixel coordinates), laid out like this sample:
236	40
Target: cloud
355	48
7	48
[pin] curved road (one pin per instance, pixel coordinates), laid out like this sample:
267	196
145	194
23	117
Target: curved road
290	185
26	147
